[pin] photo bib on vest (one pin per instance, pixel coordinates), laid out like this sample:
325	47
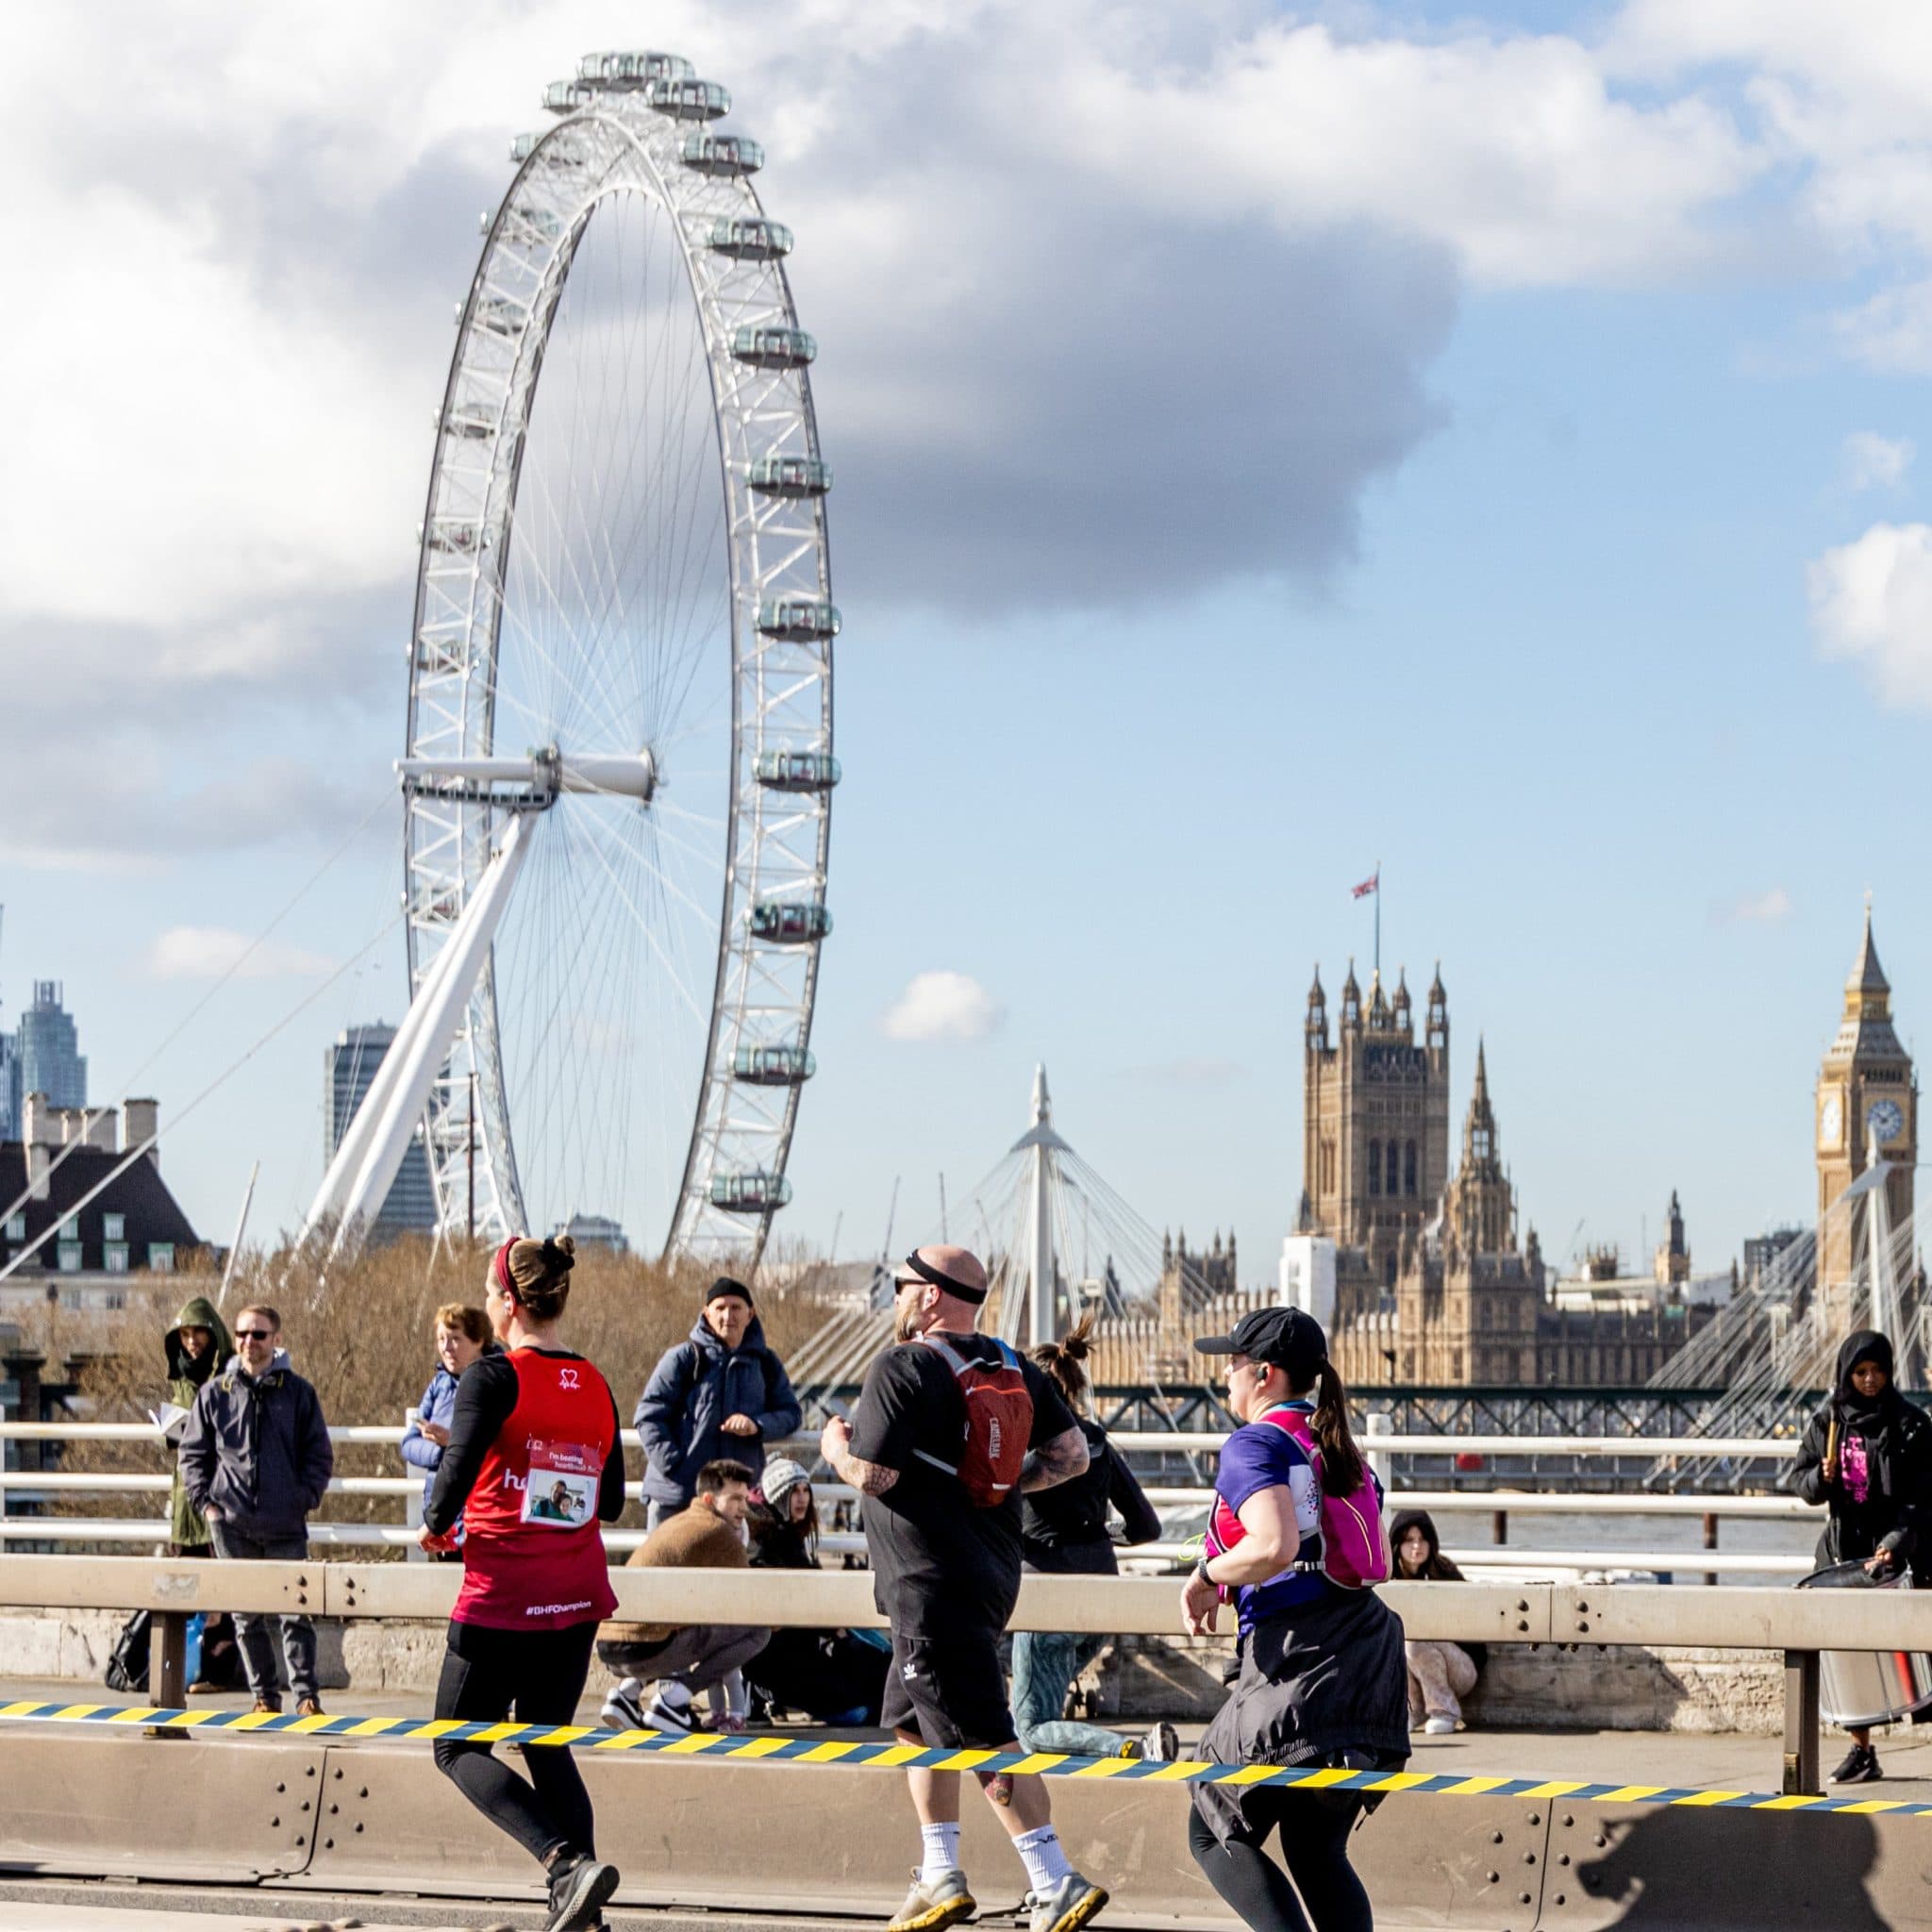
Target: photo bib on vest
562	1488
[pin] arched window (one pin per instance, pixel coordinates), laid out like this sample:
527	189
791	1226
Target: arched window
1375	1167
1408	1169
1394	1152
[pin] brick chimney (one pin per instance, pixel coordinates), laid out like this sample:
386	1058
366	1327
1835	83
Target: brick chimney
142	1120
39	1129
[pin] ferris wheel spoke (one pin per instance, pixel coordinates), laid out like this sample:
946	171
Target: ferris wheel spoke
646	926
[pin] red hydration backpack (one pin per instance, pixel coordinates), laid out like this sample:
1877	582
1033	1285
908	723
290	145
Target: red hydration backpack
999	1421
1355	1543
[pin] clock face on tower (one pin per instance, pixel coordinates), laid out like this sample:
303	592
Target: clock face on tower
1830	1122
1885	1121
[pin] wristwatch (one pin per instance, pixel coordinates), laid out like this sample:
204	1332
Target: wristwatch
1201	1571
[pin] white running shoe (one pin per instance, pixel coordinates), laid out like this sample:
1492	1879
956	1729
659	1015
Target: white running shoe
1439	1728
1162	1745
1073	1903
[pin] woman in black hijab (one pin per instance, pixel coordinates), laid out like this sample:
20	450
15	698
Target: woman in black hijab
1867	1456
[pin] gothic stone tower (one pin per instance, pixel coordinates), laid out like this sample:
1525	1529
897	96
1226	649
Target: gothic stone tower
1867	1095
1374	1119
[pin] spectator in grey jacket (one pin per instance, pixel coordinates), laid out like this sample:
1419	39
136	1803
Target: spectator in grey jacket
718	1396
256	1459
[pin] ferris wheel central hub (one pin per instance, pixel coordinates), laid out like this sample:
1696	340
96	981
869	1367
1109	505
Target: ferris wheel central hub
534	781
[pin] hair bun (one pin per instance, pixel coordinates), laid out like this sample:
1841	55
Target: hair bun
563	1250
1077	1346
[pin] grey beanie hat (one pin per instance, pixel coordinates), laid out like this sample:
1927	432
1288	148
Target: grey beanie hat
782	1476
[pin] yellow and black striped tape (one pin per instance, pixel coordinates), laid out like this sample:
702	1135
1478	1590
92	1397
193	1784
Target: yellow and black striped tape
775	1749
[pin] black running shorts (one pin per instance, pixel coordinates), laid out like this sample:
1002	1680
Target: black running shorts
950	1690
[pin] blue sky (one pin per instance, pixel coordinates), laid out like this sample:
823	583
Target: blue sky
1478	492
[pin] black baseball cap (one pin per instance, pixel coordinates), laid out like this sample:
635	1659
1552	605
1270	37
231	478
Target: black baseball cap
1287	1336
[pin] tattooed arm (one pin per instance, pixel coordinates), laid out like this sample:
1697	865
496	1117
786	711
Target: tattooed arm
1057	1460
868	1479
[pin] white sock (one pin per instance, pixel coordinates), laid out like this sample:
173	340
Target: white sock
941	1850
1047	1864
628	1687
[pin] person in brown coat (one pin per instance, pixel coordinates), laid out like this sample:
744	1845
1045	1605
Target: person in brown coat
685	1658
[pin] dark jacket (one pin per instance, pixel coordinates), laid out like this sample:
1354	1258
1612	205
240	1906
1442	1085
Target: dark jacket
1896	1508
186	1377
257	1450
694	1387
1436	1568
1063	1529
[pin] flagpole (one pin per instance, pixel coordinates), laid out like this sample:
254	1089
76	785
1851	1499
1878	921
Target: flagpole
1379	919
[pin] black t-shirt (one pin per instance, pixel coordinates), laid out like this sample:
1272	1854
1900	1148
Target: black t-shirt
1063	1529
939	1565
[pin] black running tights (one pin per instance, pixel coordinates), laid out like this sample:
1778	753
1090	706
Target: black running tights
541	1673
1314	1840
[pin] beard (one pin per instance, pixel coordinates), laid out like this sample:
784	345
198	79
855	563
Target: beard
906	1319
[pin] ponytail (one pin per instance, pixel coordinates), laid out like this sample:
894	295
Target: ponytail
1061	1359
1341	1462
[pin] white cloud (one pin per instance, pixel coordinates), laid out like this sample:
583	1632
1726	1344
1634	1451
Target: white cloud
1876	462
1871	604
942	1006
209	952
1760	908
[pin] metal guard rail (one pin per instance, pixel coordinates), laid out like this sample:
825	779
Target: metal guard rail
1800	1624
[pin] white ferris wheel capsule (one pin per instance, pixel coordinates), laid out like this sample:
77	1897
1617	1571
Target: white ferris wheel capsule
617	786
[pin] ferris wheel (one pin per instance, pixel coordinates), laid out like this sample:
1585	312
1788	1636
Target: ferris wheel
617	790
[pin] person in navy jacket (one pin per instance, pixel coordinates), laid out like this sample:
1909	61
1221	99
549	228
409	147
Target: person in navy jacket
721	1394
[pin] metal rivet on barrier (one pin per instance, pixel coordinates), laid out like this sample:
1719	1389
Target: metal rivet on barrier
274	1822
1495	1838
359	1824
281	1787
1494	1877
1523	1898
1600	1840
1567	1819
1559	1898
1530	1857
1536	1817
1564	1859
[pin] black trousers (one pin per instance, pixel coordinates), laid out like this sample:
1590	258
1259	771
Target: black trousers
538	1676
1314	1843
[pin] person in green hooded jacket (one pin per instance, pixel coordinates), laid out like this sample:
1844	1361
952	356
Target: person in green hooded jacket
196	1345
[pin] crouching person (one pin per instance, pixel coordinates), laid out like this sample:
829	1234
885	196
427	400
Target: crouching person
685	1660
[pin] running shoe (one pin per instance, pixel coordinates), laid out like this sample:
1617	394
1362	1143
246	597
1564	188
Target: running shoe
1439	1728
1860	1767
310	1707
1073	1903
267	1706
577	1892
1162	1743
621	1712
660	1716
933	1903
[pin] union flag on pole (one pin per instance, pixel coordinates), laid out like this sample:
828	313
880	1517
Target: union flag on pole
1372	884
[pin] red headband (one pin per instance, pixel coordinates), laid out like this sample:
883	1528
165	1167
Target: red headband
499	1266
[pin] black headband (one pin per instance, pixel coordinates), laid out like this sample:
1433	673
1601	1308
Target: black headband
927	1271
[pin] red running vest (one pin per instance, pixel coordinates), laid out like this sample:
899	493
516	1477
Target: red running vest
533	1553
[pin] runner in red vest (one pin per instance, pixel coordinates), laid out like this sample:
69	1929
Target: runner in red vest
532	1466
951	1428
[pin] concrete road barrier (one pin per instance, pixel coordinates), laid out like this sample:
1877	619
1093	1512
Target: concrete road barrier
368	1817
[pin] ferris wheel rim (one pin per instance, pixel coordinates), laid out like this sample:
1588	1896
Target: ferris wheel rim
636	167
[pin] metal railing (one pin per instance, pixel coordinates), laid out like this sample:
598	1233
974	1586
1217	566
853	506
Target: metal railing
1501	1503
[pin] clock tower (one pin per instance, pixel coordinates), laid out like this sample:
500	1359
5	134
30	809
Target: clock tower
1867	1097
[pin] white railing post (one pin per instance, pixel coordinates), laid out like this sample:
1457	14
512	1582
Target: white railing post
413	1503
1379	1458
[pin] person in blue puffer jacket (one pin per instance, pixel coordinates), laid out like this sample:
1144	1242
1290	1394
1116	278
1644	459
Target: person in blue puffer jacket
719	1393
462	1334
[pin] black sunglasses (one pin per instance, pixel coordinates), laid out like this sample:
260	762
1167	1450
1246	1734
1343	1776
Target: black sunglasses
255	1334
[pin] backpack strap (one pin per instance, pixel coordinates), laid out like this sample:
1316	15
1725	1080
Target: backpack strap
958	1364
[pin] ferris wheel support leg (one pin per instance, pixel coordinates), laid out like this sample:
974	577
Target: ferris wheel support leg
359	1177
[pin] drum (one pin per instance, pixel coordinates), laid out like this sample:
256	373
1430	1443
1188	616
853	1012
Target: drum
1870	1686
